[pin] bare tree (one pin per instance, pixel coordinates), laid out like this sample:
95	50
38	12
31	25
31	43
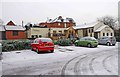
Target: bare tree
108	20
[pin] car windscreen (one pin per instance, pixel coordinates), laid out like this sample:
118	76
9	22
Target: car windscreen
93	39
46	40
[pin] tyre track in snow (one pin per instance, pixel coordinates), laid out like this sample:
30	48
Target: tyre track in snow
87	61
109	67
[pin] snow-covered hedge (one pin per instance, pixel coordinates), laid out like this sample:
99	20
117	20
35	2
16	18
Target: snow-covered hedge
15	45
63	42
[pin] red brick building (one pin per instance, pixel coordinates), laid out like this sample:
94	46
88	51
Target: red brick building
58	22
14	32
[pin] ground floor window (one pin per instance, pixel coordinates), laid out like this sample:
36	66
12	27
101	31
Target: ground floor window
15	33
103	34
107	34
111	34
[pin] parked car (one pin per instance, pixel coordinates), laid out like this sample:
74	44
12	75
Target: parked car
107	40
42	44
87	41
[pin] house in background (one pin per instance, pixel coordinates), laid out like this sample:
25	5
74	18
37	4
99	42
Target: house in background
58	22
53	33
96	29
14	31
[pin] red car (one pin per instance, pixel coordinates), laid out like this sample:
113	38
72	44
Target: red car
42	44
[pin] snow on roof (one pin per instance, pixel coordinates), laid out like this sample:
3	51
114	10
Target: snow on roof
100	28
85	25
2	28
14	28
61	19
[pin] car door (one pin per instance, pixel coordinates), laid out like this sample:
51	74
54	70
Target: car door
104	40
35	44
81	41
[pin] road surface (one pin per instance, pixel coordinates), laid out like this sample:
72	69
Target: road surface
68	60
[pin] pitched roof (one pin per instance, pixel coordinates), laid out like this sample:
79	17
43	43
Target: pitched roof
101	28
60	19
19	28
85	25
11	23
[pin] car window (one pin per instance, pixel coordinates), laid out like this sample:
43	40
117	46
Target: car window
81	39
46	40
93	39
36	41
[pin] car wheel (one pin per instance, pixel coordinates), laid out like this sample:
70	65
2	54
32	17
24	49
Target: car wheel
89	45
76	44
37	50
113	44
52	51
108	44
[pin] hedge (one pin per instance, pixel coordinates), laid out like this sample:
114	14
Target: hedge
63	42
15	45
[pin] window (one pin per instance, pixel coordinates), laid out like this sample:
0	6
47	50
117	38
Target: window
107	34
111	34
15	33
54	32
32	36
60	31
89	30
58	24
103	34
40	36
92	30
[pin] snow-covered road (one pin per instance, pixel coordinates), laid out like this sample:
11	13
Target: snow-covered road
69	60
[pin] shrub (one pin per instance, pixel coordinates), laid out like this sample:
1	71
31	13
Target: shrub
55	42
64	42
15	45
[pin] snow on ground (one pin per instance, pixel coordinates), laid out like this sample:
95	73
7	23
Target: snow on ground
29	60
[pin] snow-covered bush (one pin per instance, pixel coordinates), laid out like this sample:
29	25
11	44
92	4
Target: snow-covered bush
15	45
64	42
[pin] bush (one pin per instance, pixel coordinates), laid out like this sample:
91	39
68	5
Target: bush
15	45
64	42
55	42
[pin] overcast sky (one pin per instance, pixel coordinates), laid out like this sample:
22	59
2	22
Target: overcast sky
36	11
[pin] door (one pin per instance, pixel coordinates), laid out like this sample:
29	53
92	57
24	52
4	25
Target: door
3	35
85	32
96	35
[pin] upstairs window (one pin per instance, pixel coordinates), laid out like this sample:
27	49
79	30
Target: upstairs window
58	24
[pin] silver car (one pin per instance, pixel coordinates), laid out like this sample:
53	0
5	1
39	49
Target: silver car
107	40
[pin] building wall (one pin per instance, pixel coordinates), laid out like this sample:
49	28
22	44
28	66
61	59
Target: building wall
80	33
37	31
98	25
107	30
90	32
57	24
21	35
